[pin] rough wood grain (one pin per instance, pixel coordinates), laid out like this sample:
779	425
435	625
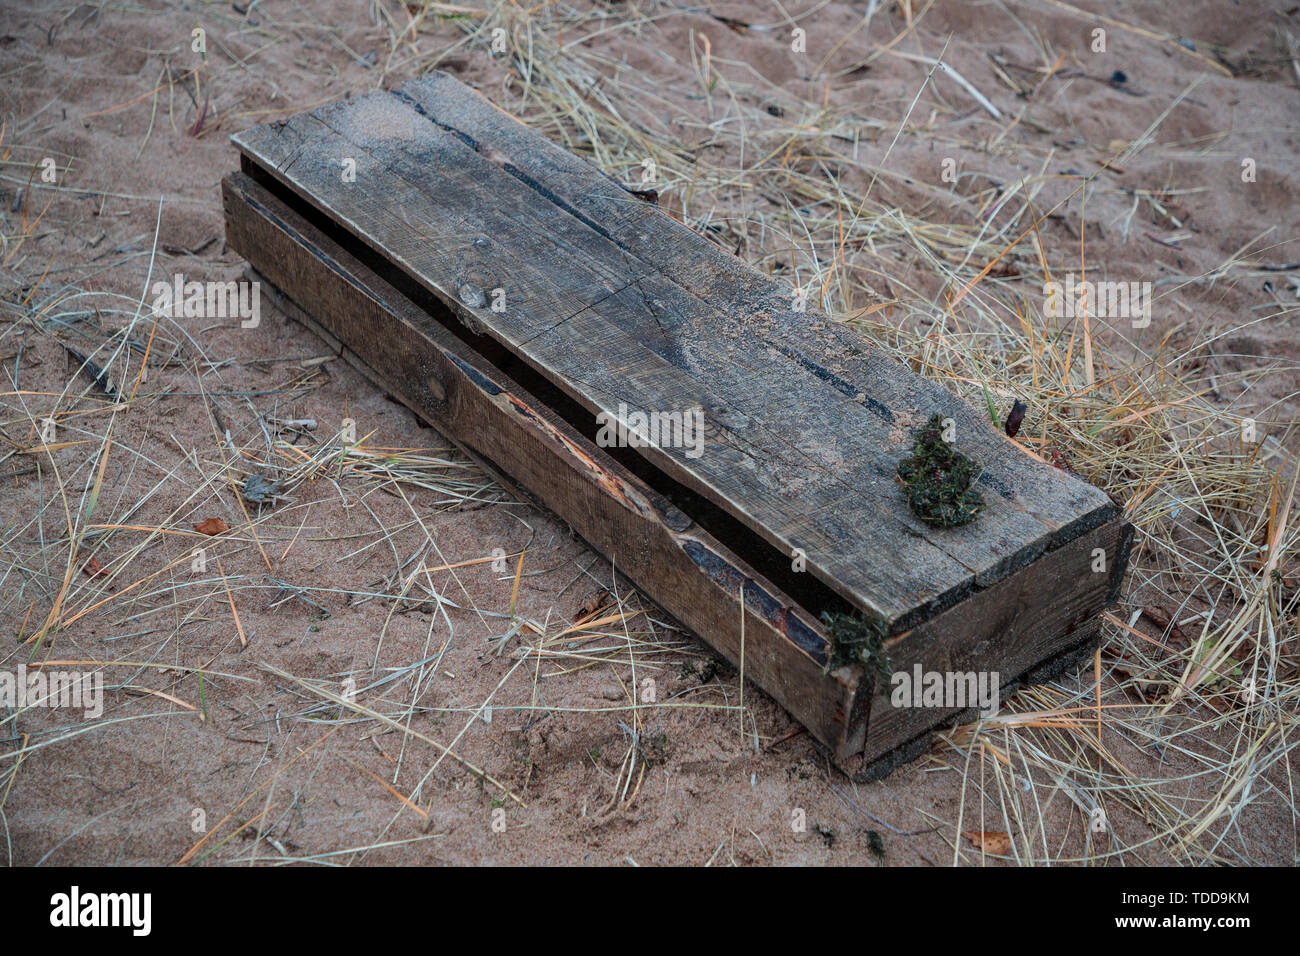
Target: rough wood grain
616	303
1022	492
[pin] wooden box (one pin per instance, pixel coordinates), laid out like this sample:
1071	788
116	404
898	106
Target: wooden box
523	302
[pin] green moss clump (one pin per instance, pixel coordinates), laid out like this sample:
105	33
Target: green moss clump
938	479
856	639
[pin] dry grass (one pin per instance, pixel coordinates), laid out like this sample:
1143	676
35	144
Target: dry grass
1204	701
1213	689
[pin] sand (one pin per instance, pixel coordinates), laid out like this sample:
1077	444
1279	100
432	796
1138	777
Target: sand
248	764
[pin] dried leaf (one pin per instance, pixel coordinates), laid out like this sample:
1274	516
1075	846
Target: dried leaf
1014	419
994	842
92	567
211	526
257	489
593	604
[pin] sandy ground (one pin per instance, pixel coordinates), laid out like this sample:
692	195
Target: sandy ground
276	772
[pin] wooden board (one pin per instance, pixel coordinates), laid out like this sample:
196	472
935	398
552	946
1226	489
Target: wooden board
604	301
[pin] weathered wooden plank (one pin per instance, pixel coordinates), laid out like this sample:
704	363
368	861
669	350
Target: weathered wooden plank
823	449
751	472
405	350
1023	493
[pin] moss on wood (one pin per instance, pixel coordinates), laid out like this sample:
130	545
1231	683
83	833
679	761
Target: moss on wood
938	478
857	639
